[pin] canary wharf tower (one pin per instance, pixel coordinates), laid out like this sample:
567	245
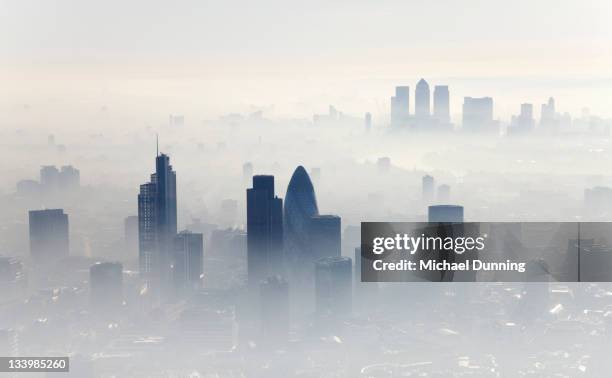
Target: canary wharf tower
157	227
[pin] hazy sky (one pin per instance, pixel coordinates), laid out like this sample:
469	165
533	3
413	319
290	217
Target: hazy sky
211	57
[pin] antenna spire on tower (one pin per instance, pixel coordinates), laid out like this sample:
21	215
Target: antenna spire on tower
156	144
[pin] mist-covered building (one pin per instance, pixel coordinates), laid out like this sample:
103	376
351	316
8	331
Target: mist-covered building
325	236
274	310
300	207
157	226
187	263
400	106
264	230
445	213
333	286
49	239
106	286
422	99
441	104
478	115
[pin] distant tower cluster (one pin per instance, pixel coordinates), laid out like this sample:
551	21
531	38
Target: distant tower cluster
423	118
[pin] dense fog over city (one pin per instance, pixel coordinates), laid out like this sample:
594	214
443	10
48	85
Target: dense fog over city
184	185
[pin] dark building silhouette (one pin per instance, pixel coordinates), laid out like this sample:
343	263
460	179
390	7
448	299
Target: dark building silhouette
445	213
428	186
188	258
441	104
264	230
274	310
48	235
106	286
333	286
300	207
400	106
325	236
422	100
157	227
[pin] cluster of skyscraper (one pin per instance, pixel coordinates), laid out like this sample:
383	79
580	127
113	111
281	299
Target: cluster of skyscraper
294	249
52	181
422	119
477	113
170	262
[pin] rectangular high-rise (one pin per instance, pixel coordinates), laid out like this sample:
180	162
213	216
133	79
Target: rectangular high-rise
48	235
188	257
264	230
441	103
400	106
333	287
478	115
325	236
106	286
157	226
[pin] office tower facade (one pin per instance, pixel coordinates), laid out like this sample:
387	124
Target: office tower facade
333	286
69	178
443	195
445	213
157	227
524	122
422	100
325	236
187	262
441	104
53	180
106	286
367	120
274	310
549	119
49	178
300	207
264	230
428	187
49	239
400	106
478	115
